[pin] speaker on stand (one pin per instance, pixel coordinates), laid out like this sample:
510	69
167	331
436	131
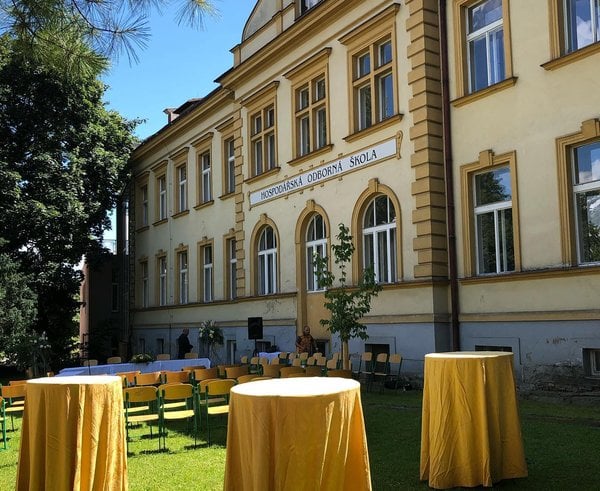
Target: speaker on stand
255	330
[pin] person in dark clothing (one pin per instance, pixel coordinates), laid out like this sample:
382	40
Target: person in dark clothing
183	344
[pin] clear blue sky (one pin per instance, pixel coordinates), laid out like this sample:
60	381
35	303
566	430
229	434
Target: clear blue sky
179	63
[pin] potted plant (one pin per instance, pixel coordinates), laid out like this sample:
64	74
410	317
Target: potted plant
210	336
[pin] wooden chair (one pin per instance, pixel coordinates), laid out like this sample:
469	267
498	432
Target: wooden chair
380	371
3	422
163	356
204	374
217	390
313	371
272	370
17	382
151	378
189	356
303	356
90	363
113	360
283	357
285	372
235	372
296	362
177	402
141	406
14	399
255	366
322	362
244	360
339	373
242	379
176	377
128	378
365	367
274	361
395	365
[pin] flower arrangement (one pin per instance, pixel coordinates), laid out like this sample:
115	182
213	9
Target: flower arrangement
210	334
141	358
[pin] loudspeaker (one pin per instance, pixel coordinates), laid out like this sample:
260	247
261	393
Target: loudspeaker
255	327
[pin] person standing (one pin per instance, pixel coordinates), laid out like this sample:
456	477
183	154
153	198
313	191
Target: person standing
306	343
183	344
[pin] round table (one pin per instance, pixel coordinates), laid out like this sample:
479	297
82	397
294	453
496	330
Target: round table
470	434
73	435
301	433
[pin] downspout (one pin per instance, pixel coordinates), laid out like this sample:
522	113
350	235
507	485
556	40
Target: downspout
449	180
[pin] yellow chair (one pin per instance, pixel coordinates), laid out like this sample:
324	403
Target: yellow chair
235	372
395	365
339	373
295	375
321	362
163	356
151	378
242	379
303	356
272	370
255	366
141	406
177	402
244	360
217	390
176	377
189	356
365	367
275	361
14	396
283	357
3	422
297	362
17	382
204	373
285	372
380	371
128	378
313	371
113	360
90	363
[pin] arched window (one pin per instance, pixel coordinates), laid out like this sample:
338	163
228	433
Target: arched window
267	262
379	239
316	243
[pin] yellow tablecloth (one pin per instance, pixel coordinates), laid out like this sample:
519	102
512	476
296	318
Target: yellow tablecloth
297	434
471	434
73	435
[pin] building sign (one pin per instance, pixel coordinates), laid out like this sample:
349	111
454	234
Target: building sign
325	172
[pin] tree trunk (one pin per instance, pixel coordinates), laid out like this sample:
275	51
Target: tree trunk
345	356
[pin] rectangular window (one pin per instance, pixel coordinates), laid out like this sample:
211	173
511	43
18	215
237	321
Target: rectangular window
307	5
162	197
485	44
231	269
145	293
229	166
374	84
162	280
205	178
182	260
144	199
494	221
263	140
181	188
207	273
311	115
581	23
586	195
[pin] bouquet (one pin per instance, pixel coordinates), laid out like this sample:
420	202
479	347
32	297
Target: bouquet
141	358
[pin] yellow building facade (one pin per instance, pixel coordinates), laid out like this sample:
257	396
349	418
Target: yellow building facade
339	112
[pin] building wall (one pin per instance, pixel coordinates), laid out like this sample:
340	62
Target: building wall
522	121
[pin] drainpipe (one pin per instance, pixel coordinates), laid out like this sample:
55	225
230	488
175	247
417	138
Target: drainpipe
449	181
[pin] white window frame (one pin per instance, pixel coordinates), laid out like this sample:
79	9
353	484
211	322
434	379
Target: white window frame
230	164
183	266
232	265
267	263
182	188
493	75
314	246
594	6
145	285
390	235
206	186
580	188
145	215
207	273
499	227
162	280
162	197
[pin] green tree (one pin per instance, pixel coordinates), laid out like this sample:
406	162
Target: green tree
81	35
347	304
63	162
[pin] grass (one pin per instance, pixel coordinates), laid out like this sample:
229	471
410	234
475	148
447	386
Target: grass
561	447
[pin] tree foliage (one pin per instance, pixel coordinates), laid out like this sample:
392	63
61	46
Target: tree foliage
62	163
347	304
79	36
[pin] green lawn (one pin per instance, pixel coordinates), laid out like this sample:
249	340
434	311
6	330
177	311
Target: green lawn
561	447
